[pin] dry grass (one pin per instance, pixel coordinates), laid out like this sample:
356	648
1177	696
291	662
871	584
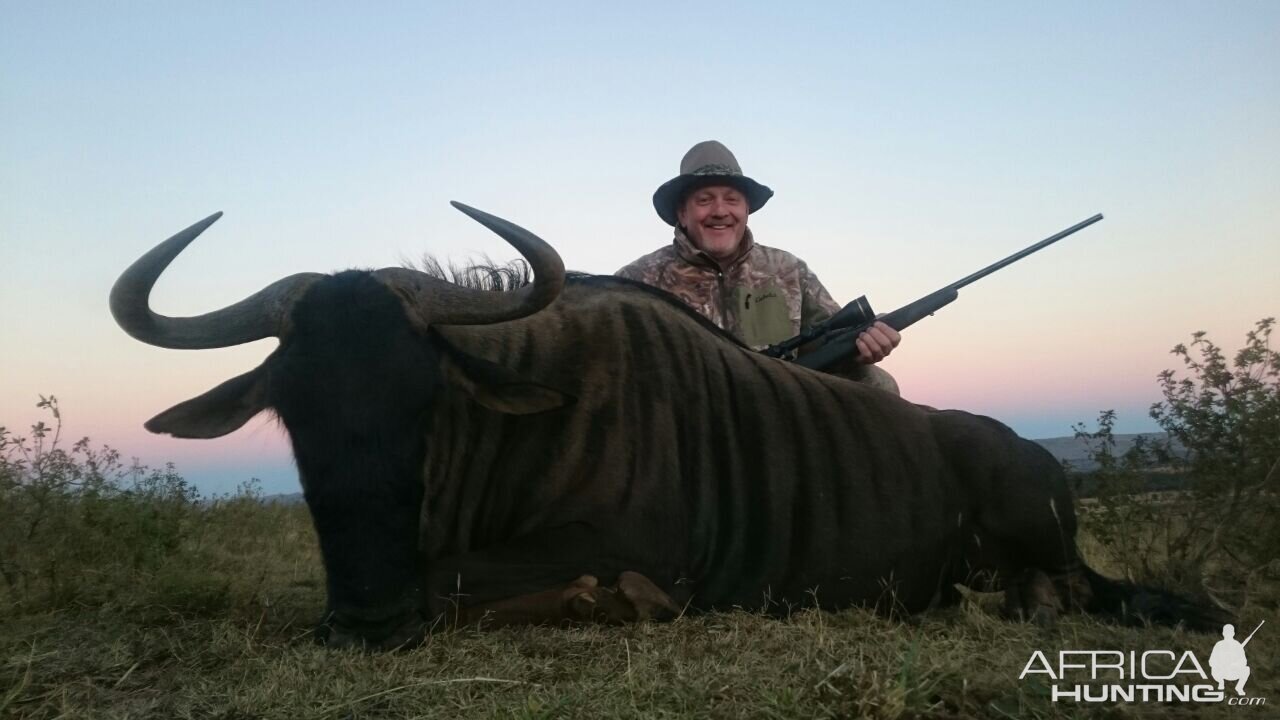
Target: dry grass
239	646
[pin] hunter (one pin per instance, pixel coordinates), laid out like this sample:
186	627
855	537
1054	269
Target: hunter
759	294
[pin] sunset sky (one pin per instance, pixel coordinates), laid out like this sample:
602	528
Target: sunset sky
908	144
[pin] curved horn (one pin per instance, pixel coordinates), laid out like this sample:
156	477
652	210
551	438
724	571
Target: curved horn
263	314
448	304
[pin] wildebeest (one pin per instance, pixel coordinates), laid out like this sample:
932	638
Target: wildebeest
588	448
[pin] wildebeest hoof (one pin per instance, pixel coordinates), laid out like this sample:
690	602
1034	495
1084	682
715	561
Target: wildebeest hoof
649	601
632	599
588	602
1044	616
1033	598
579	598
400	634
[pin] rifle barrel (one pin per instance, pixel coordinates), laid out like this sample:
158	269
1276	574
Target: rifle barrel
1255	632
1024	252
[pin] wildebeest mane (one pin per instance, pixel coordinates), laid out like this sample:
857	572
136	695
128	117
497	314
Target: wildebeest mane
672	300
485	274
482	274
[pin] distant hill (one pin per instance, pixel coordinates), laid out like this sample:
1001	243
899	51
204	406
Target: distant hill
1076	451
284	498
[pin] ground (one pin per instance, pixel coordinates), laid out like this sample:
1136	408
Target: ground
231	639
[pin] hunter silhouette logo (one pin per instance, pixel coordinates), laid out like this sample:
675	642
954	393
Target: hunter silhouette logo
1096	676
1228	661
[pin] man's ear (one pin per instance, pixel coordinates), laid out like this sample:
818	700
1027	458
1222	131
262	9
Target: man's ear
500	389
217	412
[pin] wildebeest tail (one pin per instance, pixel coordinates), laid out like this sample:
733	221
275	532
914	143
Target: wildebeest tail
1134	604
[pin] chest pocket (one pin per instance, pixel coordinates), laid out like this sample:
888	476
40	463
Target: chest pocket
763	315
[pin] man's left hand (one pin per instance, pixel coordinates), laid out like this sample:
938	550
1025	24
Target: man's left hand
876	342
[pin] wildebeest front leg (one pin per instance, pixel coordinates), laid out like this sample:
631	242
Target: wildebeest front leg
536	608
633	599
556	575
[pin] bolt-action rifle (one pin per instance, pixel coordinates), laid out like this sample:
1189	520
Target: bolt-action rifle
842	329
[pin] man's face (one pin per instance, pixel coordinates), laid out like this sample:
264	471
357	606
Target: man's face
715	219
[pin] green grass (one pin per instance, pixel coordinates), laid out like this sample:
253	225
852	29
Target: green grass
222	630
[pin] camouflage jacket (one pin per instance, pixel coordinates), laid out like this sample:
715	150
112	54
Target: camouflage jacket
762	297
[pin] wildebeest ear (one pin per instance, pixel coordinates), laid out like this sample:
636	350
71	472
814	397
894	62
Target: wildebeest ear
500	389
217	412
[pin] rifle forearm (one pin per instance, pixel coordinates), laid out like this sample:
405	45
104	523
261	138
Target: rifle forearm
842	343
908	315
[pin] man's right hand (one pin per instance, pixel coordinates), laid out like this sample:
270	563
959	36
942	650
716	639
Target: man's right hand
876	342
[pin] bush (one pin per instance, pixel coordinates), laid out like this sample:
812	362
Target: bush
1221	428
81	526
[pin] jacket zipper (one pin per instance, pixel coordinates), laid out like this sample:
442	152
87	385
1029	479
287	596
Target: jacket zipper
724	301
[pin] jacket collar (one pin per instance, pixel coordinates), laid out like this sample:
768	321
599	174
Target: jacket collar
691	254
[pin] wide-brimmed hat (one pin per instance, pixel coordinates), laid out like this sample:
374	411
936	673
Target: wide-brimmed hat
707	163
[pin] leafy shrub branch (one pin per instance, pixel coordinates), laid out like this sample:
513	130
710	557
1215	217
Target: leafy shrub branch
1221	440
